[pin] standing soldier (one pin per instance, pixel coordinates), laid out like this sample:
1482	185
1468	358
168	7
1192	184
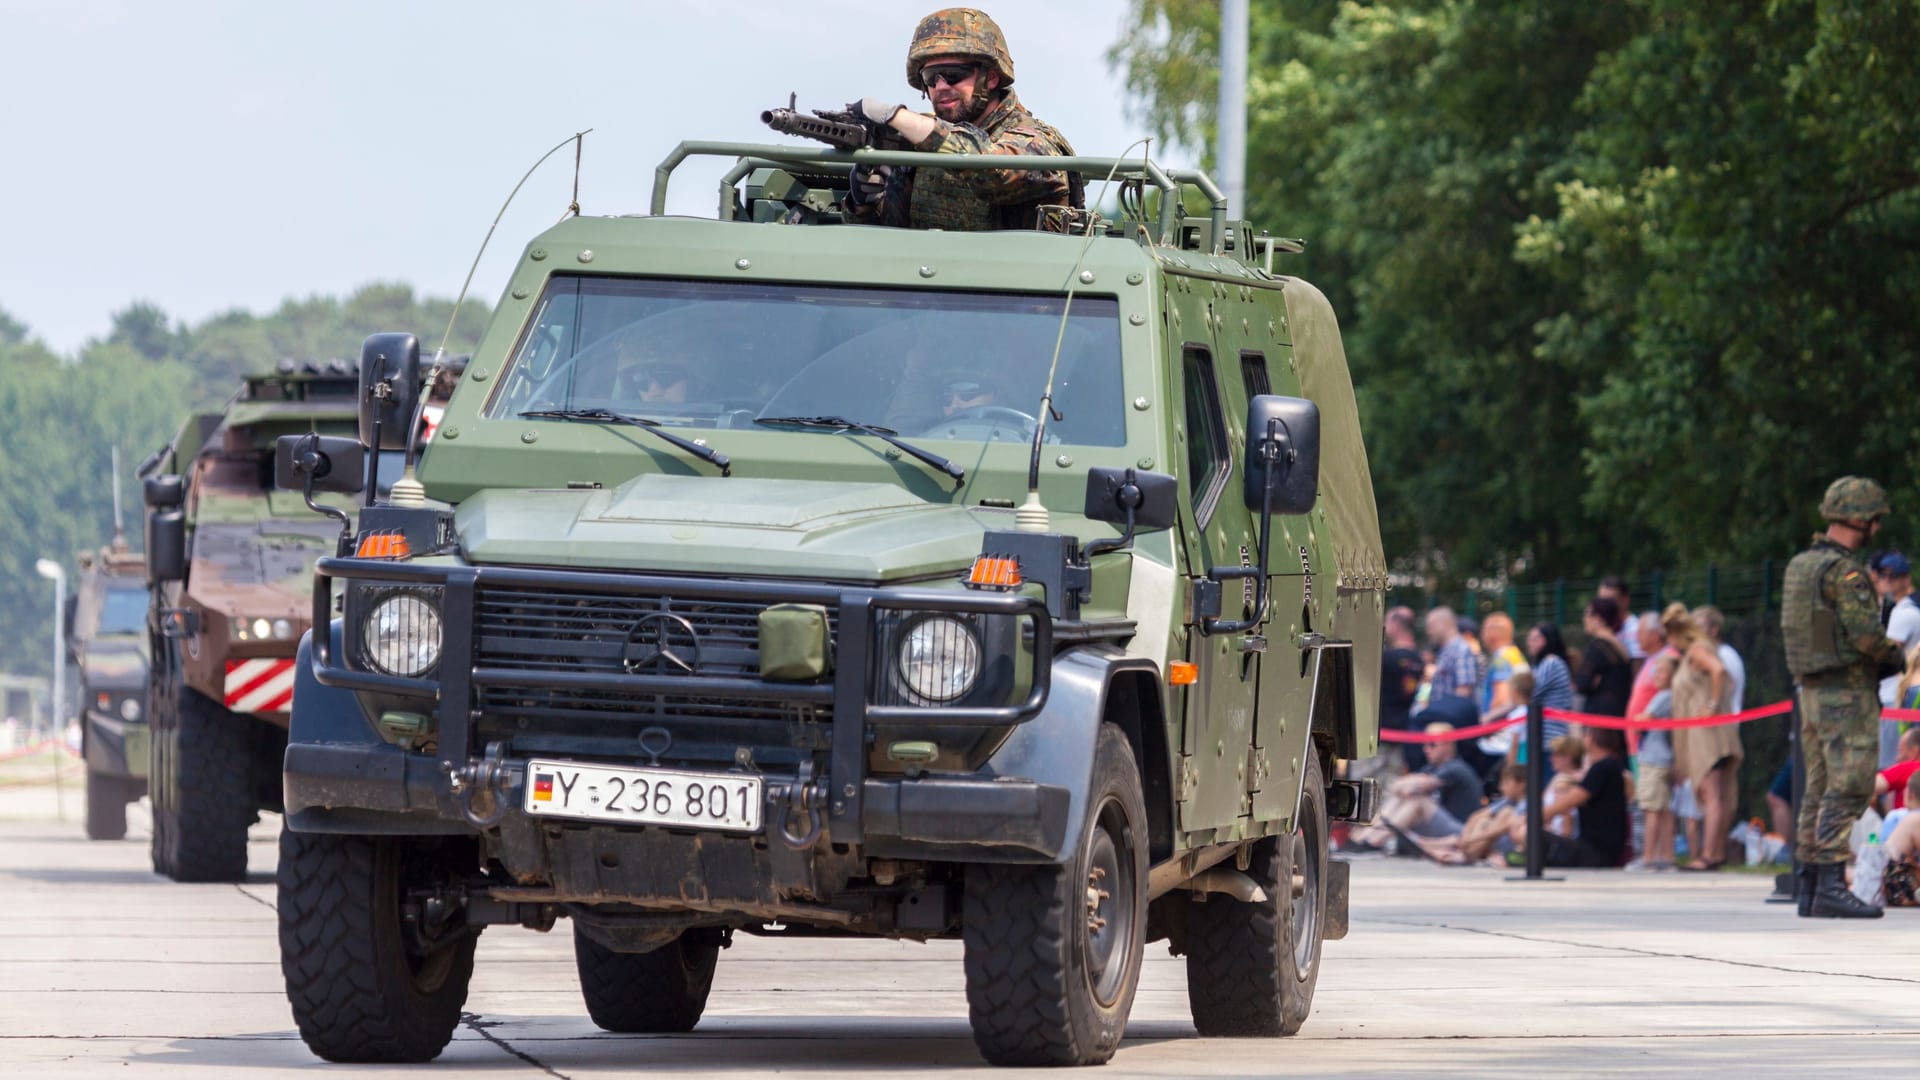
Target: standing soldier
1837	651
959	59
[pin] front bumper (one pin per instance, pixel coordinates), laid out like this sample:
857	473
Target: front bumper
384	789
116	747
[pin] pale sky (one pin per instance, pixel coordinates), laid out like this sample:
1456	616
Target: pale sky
206	155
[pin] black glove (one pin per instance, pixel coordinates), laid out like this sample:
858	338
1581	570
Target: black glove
869	184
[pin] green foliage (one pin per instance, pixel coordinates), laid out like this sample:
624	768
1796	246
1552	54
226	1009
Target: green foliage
1613	275
63	416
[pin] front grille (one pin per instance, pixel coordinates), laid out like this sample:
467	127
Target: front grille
522	629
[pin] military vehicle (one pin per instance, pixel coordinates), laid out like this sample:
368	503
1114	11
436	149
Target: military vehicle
230	562
107	638
781	576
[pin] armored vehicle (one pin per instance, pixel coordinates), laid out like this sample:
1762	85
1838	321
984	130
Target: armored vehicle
784	576
230	561
107	636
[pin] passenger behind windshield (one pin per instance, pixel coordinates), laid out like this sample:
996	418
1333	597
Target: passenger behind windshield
723	355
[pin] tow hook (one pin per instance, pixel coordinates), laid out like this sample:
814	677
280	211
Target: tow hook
803	796
490	775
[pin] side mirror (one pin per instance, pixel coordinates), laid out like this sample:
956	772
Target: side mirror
331	462
1152	498
164	492
166	544
1283	454
389	390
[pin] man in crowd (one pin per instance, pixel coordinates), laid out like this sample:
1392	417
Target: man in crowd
1434	802
1837	651
1615	588
1504	660
1893	577
1455	672
1401	671
959	59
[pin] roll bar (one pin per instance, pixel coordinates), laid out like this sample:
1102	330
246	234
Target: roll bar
766	155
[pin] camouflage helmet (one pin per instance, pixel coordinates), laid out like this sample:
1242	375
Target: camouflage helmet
1853	500
958	32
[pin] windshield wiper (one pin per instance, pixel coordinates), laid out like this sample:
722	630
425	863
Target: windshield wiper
608	416
841	423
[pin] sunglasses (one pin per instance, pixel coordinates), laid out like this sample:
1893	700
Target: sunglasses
965	390
952	74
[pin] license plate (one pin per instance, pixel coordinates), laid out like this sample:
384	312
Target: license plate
724	801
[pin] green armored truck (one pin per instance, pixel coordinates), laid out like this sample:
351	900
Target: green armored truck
780	575
107	637
230	562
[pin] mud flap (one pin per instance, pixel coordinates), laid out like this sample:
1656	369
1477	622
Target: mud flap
1339	881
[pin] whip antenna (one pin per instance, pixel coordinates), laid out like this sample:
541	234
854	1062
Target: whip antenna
407	491
1032	514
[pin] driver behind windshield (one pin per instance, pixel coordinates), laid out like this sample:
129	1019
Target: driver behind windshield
964	394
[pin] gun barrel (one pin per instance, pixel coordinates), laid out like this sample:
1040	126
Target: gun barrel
846	136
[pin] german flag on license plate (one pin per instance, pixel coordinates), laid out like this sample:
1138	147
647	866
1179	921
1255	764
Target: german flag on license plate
542	787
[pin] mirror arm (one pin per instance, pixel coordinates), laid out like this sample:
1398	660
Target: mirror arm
381	390
1125	540
1270	451
344	545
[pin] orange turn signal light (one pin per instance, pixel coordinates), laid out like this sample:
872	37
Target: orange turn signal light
995	572
1181	673
384	545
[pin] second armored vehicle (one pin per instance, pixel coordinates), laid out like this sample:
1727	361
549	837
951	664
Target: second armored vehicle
107	635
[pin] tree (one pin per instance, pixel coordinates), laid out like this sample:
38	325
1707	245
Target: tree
142	327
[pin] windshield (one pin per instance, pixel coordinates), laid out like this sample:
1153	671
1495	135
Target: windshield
720	355
125	612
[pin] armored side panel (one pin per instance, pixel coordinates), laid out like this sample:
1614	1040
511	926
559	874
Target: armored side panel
1359	572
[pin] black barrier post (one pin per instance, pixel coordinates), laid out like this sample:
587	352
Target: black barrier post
1536	796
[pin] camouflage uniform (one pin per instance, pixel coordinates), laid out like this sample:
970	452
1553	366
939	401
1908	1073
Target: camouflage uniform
973	201
1836	650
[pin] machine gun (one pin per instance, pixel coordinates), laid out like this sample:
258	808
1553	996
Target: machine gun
842	129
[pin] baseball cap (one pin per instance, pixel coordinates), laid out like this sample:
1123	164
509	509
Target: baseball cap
1894	564
1469	624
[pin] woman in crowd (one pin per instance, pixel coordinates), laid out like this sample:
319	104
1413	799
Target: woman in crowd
1606	670
1552	682
1707	757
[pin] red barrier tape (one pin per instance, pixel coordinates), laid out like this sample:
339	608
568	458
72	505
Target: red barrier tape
1778	708
1620	723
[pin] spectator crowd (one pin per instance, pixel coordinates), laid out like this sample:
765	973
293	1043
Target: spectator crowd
1648	799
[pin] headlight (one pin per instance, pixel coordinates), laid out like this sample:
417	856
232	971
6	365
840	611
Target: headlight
401	635
282	629
130	709
939	659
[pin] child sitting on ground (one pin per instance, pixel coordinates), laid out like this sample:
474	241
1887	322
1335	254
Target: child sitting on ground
1902	882
1568	751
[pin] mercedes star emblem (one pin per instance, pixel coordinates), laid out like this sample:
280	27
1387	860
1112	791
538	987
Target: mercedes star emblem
661	644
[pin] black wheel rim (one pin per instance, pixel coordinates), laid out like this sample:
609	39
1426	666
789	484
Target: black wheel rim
1106	912
1304	882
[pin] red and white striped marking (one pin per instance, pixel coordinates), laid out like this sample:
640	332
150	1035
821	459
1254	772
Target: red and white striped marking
256	686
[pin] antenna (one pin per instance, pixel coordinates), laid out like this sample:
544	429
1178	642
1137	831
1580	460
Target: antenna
407	491
1032	514
119	524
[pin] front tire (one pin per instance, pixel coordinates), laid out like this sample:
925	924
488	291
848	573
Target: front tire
201	783
106	806
658	992
1252	967
1053	953
364	988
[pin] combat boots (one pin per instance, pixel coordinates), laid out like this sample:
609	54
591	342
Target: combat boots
1804	881
1832	899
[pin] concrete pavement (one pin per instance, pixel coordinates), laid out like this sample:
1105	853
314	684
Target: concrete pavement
107	970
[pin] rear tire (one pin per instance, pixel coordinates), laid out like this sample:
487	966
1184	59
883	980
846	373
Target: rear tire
1252	967
106	806
658	992
1053	953
362	988
201	782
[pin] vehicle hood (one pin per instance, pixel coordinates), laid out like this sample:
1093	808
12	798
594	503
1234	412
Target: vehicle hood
702	525
117	661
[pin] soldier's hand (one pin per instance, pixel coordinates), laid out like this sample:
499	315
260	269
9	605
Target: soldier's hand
869	184
874	110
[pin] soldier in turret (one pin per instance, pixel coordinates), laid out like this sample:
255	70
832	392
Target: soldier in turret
1837	652
959	59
